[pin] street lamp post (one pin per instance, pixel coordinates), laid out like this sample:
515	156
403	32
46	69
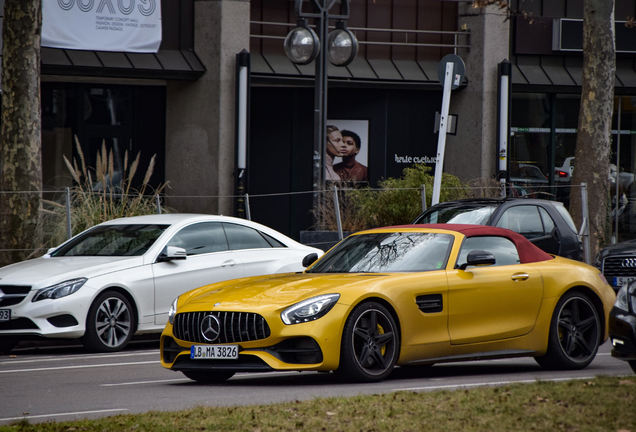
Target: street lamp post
303	45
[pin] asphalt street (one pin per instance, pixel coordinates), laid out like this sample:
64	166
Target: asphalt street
60	382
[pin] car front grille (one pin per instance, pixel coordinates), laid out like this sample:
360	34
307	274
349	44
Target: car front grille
619	266
232	327
18	324
13	294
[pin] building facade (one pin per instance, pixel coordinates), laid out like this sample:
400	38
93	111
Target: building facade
180	103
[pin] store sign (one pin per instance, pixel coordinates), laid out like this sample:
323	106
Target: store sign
102	25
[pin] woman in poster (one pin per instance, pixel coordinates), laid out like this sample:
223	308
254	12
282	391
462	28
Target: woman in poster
333	149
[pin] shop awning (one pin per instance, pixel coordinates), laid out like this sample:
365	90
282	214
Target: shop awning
564	72
272	67
165	64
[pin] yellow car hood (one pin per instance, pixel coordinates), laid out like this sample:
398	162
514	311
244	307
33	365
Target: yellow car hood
273	291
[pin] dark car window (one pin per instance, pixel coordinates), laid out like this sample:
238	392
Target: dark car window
387	252
200	238
242	237
523	219
477	214
504	250
548	222
112	240
272	241
566	216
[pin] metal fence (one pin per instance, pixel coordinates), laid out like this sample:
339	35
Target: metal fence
331	208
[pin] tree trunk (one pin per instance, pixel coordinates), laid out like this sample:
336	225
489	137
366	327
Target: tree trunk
20	135
595	120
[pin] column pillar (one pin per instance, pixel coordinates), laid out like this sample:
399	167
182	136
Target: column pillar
200	124
471	154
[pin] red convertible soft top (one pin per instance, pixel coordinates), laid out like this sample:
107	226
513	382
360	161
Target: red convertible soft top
528	252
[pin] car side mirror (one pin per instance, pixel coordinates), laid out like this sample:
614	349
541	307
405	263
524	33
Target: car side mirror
310	259
171	253
478	258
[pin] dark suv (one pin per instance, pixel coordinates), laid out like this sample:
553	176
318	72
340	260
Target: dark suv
545	223
618	263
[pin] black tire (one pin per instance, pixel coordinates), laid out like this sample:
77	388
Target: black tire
575	332
7	343
110	323
632	364
209	377
370	344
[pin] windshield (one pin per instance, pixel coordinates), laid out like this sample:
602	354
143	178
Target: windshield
460	214
112	240
387	252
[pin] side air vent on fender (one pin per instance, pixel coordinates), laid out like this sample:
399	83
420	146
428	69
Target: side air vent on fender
430	303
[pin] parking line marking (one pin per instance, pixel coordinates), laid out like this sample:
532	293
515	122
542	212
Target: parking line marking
80	367
145	382
63	414
493	383
237	376
79	357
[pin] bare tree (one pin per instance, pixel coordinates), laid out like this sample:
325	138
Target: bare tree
595	113
20	135
595	118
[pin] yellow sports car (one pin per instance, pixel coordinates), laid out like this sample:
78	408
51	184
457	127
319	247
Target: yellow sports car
416	294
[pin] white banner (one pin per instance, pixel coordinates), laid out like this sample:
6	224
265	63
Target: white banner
102	25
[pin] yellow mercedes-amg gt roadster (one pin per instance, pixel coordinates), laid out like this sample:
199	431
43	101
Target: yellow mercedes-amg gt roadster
416	294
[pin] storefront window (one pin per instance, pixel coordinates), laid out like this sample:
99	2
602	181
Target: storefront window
123	118
623	168
529	146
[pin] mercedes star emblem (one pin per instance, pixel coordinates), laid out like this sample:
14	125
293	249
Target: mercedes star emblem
210	328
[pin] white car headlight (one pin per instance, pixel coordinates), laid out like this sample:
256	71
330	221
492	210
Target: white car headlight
59	290
173	311
310	309
625	295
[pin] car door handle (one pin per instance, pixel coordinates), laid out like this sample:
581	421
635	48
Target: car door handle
228	263
520	277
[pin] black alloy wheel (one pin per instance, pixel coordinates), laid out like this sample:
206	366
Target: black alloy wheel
110	323
370	344
209	377
575	332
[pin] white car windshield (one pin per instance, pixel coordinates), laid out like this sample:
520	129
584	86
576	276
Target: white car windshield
112	240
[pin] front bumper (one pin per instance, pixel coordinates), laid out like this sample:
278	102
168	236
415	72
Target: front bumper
622	328
58	318
313	345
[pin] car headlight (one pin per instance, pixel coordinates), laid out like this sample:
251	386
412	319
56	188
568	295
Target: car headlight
310	309
625	296
173	311
59	290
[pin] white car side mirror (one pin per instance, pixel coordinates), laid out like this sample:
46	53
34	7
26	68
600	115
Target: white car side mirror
172	253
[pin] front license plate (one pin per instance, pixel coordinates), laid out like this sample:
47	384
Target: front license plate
620	281
5	315
224	352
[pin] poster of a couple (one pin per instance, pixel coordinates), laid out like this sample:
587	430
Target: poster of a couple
346	149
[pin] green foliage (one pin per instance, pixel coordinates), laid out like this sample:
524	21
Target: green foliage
397	200
100	194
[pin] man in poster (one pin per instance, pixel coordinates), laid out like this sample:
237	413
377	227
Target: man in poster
350	169
347	150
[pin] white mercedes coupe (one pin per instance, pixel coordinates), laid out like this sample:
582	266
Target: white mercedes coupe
120	277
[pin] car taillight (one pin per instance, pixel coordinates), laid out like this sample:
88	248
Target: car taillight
560	173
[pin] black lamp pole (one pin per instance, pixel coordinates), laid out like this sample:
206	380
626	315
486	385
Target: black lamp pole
322	17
